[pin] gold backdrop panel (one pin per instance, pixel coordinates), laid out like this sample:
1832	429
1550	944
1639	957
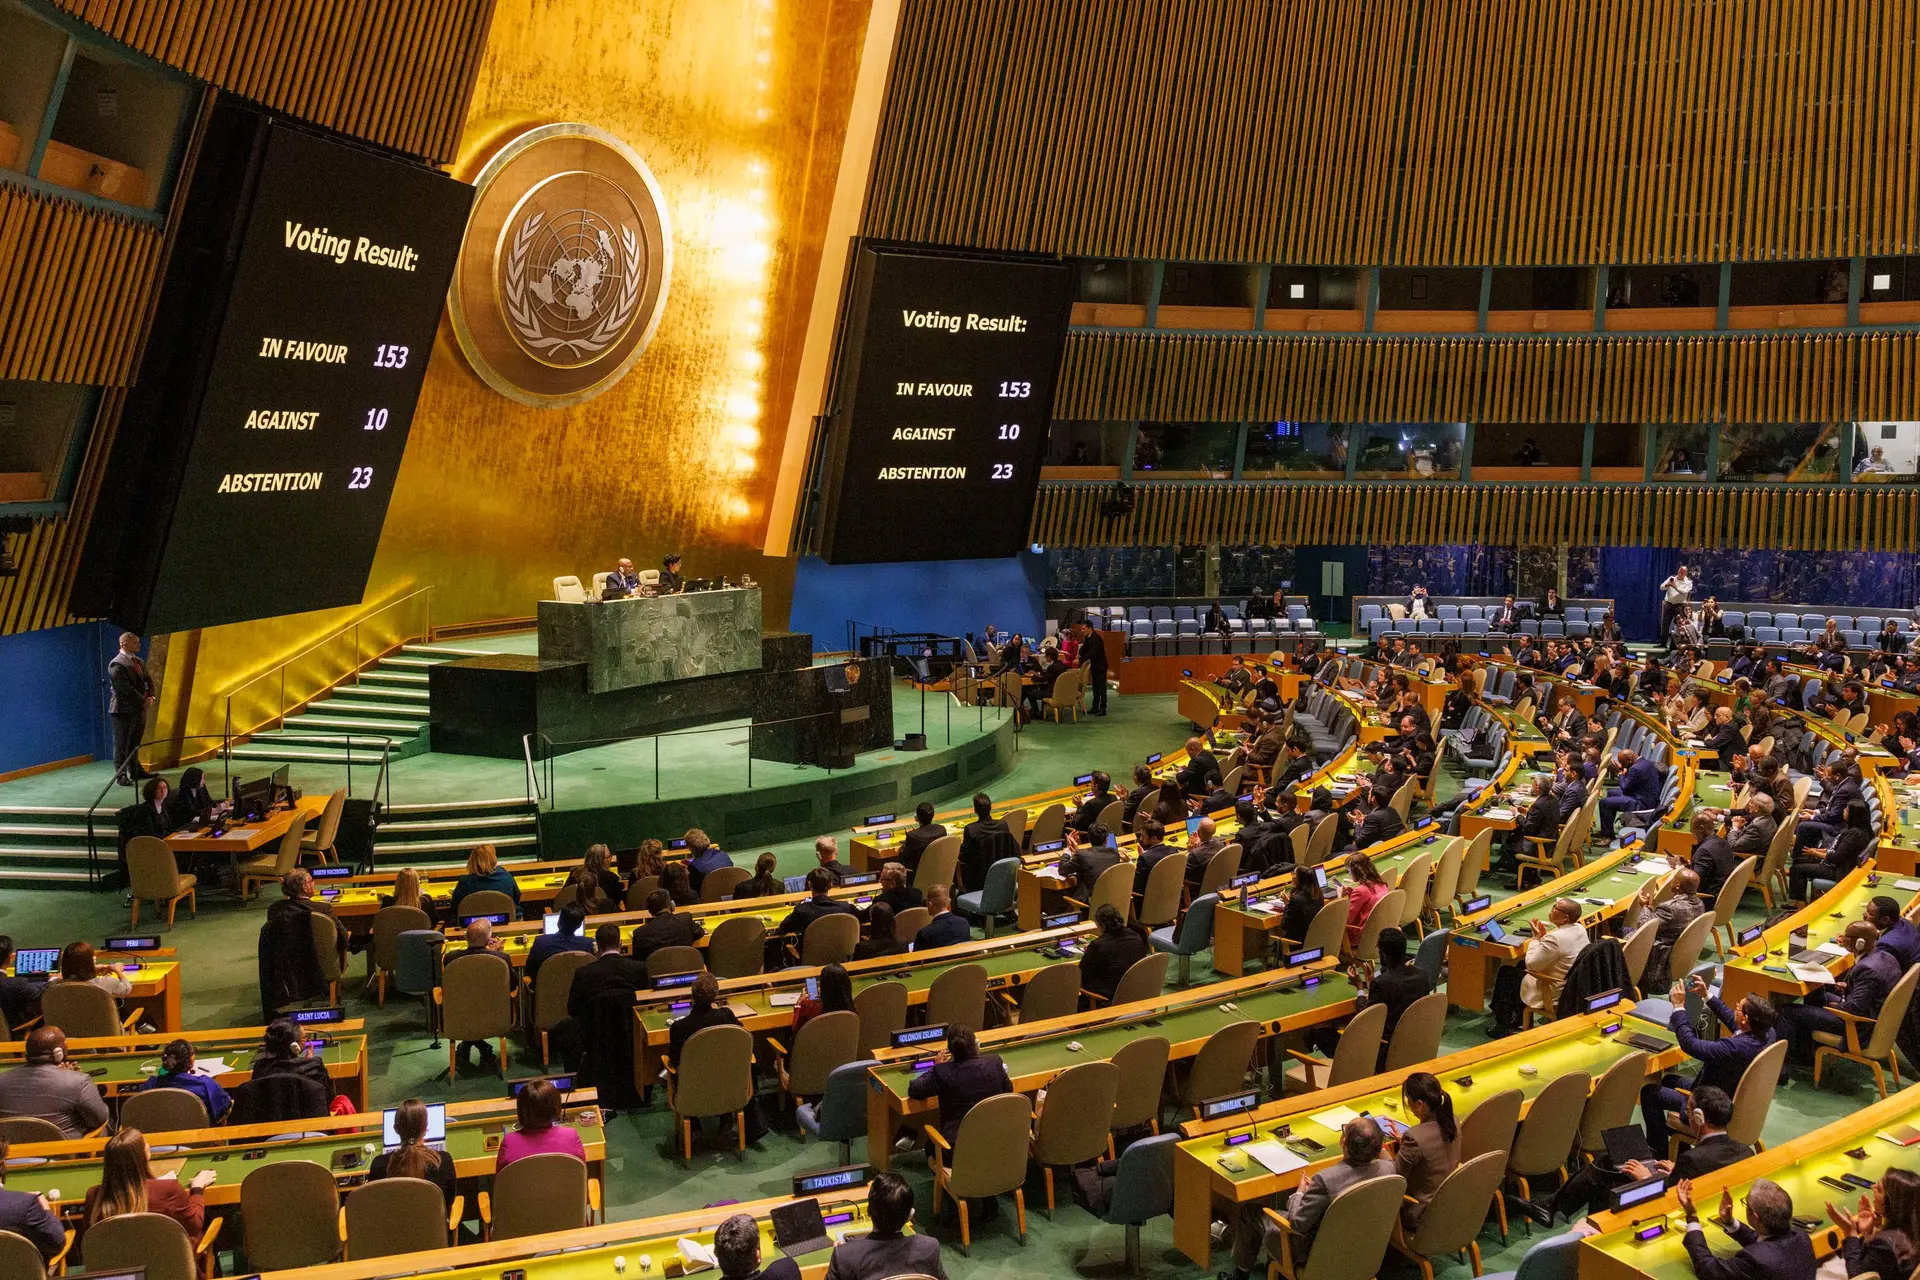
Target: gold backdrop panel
738	108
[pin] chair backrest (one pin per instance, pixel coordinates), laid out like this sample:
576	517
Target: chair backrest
1611	1103
19	1131
388	924
1490	1126
1688	946
1320	843
1730	894
1329	928
1359	1048
478	997
1196	927
1459	1206
1639	947
1221	867
1753	1096
152	872
638	892
911	921
718	885
958	997
1414	883
990	1151
20	1258
1893	1013
1114	888
326	944
1297	841
1388	911
738	947
291	1209
666	961
1361	1220
416	960
1402	801
1078	1114
1002	888
1143	1074
1112	816
567	588
1160	904
937	862
1553	1122
485	902
329	828
715	1076
1416	1037
1144	979
551	986
132	1240
163	1111
287	857
1777	850
1050	825
1143	1184
827	1041
548	1192
1446	873
842	1113
1016	820
1473	862
80	1009
1222	1062
1053	992
395	1215
882	1007
830	939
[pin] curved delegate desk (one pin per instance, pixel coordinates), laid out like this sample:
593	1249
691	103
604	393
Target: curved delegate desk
154	976
1527	1062
121	1064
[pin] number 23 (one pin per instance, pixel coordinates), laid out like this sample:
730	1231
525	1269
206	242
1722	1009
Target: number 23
362	478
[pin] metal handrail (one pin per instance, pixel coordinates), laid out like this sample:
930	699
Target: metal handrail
359	659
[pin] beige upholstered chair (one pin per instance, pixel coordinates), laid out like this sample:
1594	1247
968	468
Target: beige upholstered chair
1491	1125
1329	928
882	1007
291	1209
1611	1104
1638	949
1051	825
738	947
383	957
1145	979
718	885
715	1078
1546	1137
1320	841
153	1241
326	951
20	1259
988	1158
1113	889
1772	872
475	997
485	902
1221	1064
269	868
667	961
20	1131
638	892
82	1010
937	862
1221	867
830	940
538	1194
911	921
958	997
828	1040
1474	861
320	841
1076	1120
549	997
1689	946
154	876
163	1111
1353	1058
1416	1037
1879	1044
1053	992
1416	879
1112	816
567	589
398	1215
1388	911
1726	901
1351	1241
1160	905
1143	1076
1456	1213
1067	692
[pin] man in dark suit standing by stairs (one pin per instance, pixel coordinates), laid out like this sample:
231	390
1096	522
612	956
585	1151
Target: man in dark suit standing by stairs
132	694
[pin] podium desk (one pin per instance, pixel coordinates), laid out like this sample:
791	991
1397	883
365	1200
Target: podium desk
645	640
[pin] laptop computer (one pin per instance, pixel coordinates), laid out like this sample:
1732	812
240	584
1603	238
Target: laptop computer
36	961
795	884
1628	1142
436	1136
798	1229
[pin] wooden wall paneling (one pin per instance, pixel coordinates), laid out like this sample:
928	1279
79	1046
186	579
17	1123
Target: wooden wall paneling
73	287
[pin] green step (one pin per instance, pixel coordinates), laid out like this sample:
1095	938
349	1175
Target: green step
339	705
452	846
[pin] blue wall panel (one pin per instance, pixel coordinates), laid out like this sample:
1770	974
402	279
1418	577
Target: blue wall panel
948	597
53	696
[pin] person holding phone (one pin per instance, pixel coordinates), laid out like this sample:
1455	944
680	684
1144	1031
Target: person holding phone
1428	1150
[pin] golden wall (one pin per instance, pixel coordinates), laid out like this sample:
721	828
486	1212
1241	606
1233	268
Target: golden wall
738	107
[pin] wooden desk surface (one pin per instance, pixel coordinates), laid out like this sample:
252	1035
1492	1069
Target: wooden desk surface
1551	1049
121	1064
1761	966
248	839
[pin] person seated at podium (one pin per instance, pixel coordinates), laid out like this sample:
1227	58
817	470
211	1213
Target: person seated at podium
621	583
827	850
1112	952
819	884
670	579
703	856
1770	1245
665	927
945	929
1086	858
882	938
190	802
150	817
28	1215
916	841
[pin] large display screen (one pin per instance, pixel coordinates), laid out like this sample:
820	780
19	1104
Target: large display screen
335	295
945	393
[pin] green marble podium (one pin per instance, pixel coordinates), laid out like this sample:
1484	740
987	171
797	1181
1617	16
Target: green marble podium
654	639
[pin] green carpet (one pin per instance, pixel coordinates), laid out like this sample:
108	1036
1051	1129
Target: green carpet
218	949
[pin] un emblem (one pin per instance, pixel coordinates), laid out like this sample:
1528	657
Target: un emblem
564	271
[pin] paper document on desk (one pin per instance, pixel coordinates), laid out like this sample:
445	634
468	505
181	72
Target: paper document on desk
1336	1117
1908	885
1651	867
210	1067
1831	949
696	1256
784	999
1499	815
1276	1158
1811	974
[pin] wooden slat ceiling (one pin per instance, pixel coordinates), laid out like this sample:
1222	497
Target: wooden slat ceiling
74	285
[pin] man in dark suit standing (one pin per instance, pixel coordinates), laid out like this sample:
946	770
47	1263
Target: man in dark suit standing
1771	1247
132	694
1093	656
916	841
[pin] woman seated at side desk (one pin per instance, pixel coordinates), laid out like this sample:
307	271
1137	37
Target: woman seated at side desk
190	802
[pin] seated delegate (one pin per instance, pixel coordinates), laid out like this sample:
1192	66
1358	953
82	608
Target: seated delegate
46	1085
